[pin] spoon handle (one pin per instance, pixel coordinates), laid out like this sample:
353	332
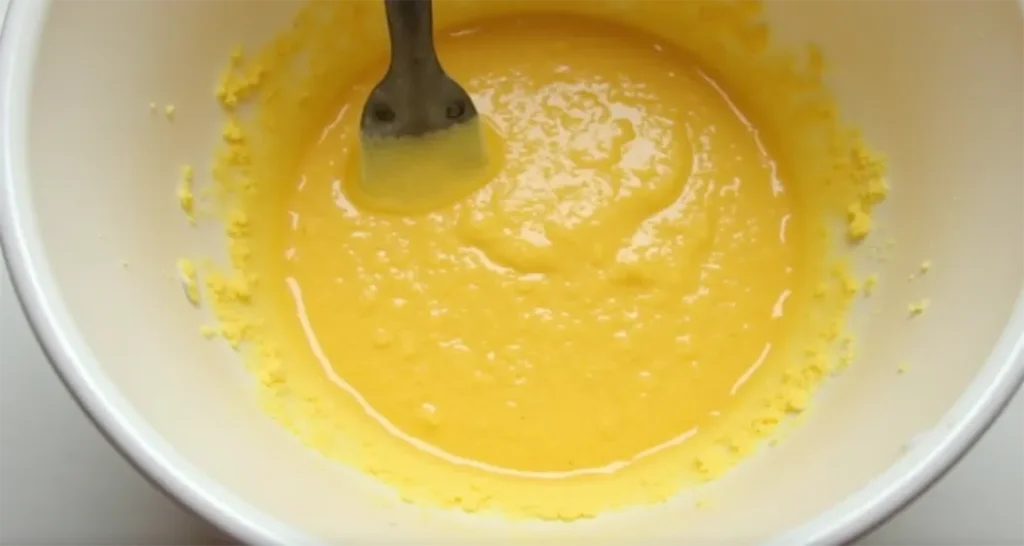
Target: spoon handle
411	27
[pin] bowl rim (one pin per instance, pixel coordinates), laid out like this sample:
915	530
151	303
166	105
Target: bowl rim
70	357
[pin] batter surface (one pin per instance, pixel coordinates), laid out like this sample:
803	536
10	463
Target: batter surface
603	297
636	295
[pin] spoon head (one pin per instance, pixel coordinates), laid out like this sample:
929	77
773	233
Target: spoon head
410	175
399	107
422	144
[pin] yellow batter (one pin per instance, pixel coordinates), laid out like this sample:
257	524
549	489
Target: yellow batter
630	260
636	296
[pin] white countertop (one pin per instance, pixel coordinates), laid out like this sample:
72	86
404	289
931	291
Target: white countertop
60	482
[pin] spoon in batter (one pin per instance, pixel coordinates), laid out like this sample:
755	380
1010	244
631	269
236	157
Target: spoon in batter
421	137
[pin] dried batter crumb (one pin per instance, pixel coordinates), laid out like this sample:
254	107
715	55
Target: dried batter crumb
153	108
870	283
918	308
186	197
850	285
169	111
903	368
124	264
922	268
846	359
189	280
209	332
858	222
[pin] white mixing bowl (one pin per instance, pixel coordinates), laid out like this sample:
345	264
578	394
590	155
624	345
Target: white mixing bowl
89	178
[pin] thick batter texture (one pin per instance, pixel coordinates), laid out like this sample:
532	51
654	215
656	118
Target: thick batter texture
628	261
635	296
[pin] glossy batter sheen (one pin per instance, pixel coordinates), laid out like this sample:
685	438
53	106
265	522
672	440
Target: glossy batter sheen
608	293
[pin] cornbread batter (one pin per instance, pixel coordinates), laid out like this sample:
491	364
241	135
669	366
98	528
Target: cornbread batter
629	260
637	294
